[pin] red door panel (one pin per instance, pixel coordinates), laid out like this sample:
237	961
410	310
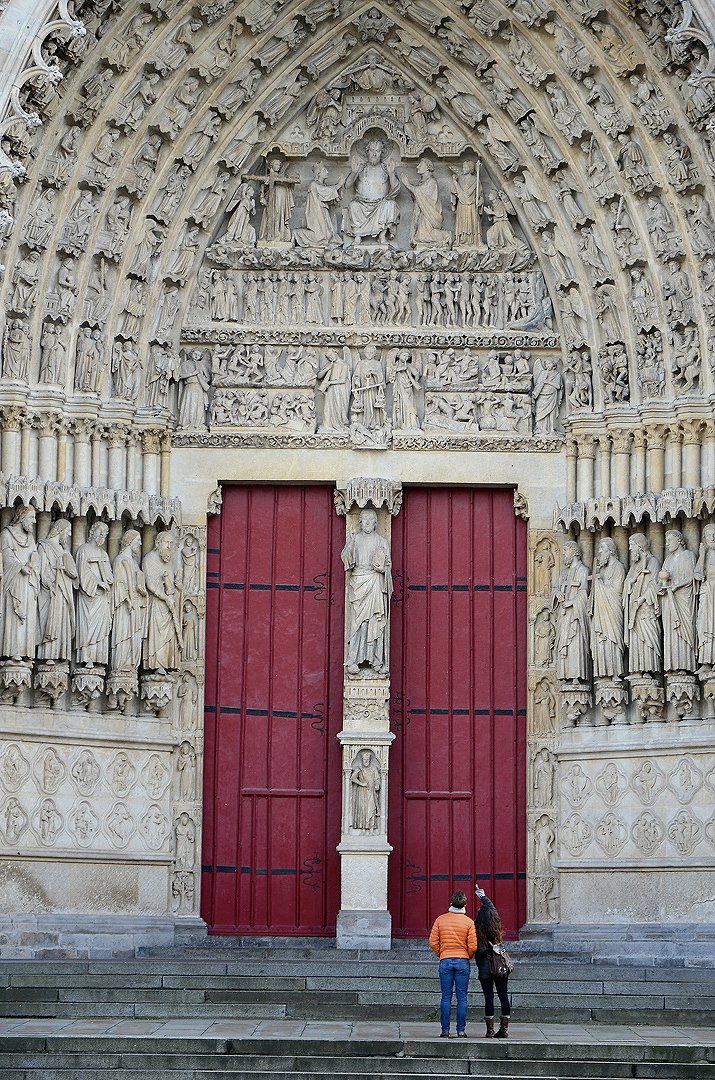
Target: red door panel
274	679
458	669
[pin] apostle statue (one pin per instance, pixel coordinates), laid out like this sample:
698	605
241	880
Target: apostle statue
547	395
426	230
20	585
366	557
467	203
705	573
641	608
572	629
677	604
129	601
58	581
318	227
94	598
162	645
607	611
373	211
365	803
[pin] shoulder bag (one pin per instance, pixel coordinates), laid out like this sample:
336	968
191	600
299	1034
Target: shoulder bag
500	963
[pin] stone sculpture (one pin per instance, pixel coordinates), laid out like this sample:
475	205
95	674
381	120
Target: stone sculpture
94	598
162	645
318	227
20	585
366	558
373	211
425	230
57	581
129	600
677	604
365	783
642	630
705	574
607	611
572	622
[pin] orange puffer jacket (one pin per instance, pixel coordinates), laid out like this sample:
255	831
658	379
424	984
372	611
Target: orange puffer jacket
453	936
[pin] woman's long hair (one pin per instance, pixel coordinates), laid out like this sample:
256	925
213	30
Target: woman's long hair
489	927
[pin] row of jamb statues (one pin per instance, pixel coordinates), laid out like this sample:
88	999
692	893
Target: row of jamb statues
648	620
86	608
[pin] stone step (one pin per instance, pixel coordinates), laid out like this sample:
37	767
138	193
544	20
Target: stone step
62	1058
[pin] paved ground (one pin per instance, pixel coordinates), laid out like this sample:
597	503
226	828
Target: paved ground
608	1034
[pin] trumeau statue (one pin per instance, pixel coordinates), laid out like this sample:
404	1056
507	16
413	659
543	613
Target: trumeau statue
94	599
20	585
162	645
366	557
58	581
642	629
572	622
677	604
607	611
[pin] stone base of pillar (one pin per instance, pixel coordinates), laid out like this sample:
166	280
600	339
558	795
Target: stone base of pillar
364	930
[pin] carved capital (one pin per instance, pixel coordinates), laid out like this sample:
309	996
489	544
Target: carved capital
363	491
676	435
165	442
521	505
709	429
151	441
572	444
691	431
655	436
587	447
604	442
47	422
639	439
116	436
81	429
13	417
621	441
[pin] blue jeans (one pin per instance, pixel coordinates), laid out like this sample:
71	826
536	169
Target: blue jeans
454	974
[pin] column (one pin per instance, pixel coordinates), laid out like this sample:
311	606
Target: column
151	461
655	439
639	443
586	459
571	455
364	921
48	426
621	481
691	463
116	437
62	452
604	447
12	417
676	457
165	487
25	438
82	430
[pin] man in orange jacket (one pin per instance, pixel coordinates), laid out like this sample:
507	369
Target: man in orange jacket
453	939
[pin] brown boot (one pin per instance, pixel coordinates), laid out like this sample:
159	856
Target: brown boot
489	1021
503	1032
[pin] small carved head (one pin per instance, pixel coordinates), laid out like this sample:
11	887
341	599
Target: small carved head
368	520
606	548
131	539
375	151
638	546
164	544
25	517
570	552
709	536
62	529
98	533
674	540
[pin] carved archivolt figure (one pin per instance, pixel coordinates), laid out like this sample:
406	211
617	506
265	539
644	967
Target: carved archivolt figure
426	230
318	227
373	211
94	599
467	202
607	610
240	231
20	585
677	604
58	581
366	557
129	601
572	629
162	647
365	801
705	573
641	609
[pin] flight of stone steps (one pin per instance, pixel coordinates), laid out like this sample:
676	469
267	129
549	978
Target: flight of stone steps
312	982
121	1058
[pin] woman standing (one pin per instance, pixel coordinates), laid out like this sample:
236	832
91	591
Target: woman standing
489	933
453	940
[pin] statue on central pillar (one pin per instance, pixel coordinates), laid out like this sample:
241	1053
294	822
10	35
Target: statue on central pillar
373	211
366	557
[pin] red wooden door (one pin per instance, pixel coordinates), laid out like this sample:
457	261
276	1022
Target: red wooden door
458	670
274	680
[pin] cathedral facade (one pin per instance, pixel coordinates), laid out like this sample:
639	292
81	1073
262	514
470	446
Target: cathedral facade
357	451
